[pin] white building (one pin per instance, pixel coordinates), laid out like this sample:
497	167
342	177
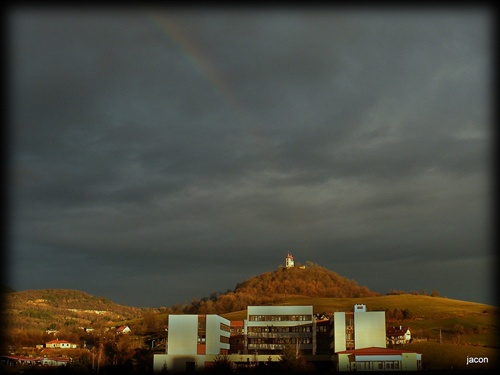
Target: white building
193	342
360	344
378	359
359	329
60	344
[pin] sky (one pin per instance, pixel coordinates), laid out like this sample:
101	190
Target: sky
157	155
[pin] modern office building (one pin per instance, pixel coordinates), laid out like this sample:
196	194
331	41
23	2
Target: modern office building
193	342
237	338
359	329
345	341
270	328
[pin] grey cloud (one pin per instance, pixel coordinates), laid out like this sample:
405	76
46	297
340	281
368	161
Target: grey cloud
173	145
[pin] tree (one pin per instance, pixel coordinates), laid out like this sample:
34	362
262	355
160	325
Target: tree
291	359
221	365
152	322
435	293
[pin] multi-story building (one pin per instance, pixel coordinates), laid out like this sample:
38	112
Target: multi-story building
237	339
359	329
193	342
346	341
324	339
270	328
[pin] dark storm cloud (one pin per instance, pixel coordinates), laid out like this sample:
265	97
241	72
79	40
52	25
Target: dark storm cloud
194	149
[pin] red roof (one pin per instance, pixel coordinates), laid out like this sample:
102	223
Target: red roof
375	351
393	331
122	328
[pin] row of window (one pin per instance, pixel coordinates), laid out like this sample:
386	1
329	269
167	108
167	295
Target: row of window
280	340
225	327
322	328
279	329
279	318
369	365
236	330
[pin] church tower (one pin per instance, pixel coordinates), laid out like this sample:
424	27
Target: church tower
289	261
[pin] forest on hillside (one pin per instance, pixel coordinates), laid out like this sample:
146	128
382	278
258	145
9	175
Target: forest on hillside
274	287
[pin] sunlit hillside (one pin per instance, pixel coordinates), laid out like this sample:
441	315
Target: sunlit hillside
46	308
277	286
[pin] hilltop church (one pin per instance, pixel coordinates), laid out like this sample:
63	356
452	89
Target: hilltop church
289	263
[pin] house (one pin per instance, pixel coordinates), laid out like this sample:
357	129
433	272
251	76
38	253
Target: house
60	344
13	360
123	329
55	361
398	335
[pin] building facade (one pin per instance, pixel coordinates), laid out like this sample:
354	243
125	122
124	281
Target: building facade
237	338
194	341
378	359
270	328
60	344
359	329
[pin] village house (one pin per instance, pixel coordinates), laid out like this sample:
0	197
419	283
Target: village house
60	344
398	335
123	330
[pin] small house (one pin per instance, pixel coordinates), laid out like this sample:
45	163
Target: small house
398	335
123	330
59	344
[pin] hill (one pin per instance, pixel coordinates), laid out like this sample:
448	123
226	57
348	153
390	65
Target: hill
57	308
276	286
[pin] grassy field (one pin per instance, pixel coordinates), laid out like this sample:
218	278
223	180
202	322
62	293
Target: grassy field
421	306
436	356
